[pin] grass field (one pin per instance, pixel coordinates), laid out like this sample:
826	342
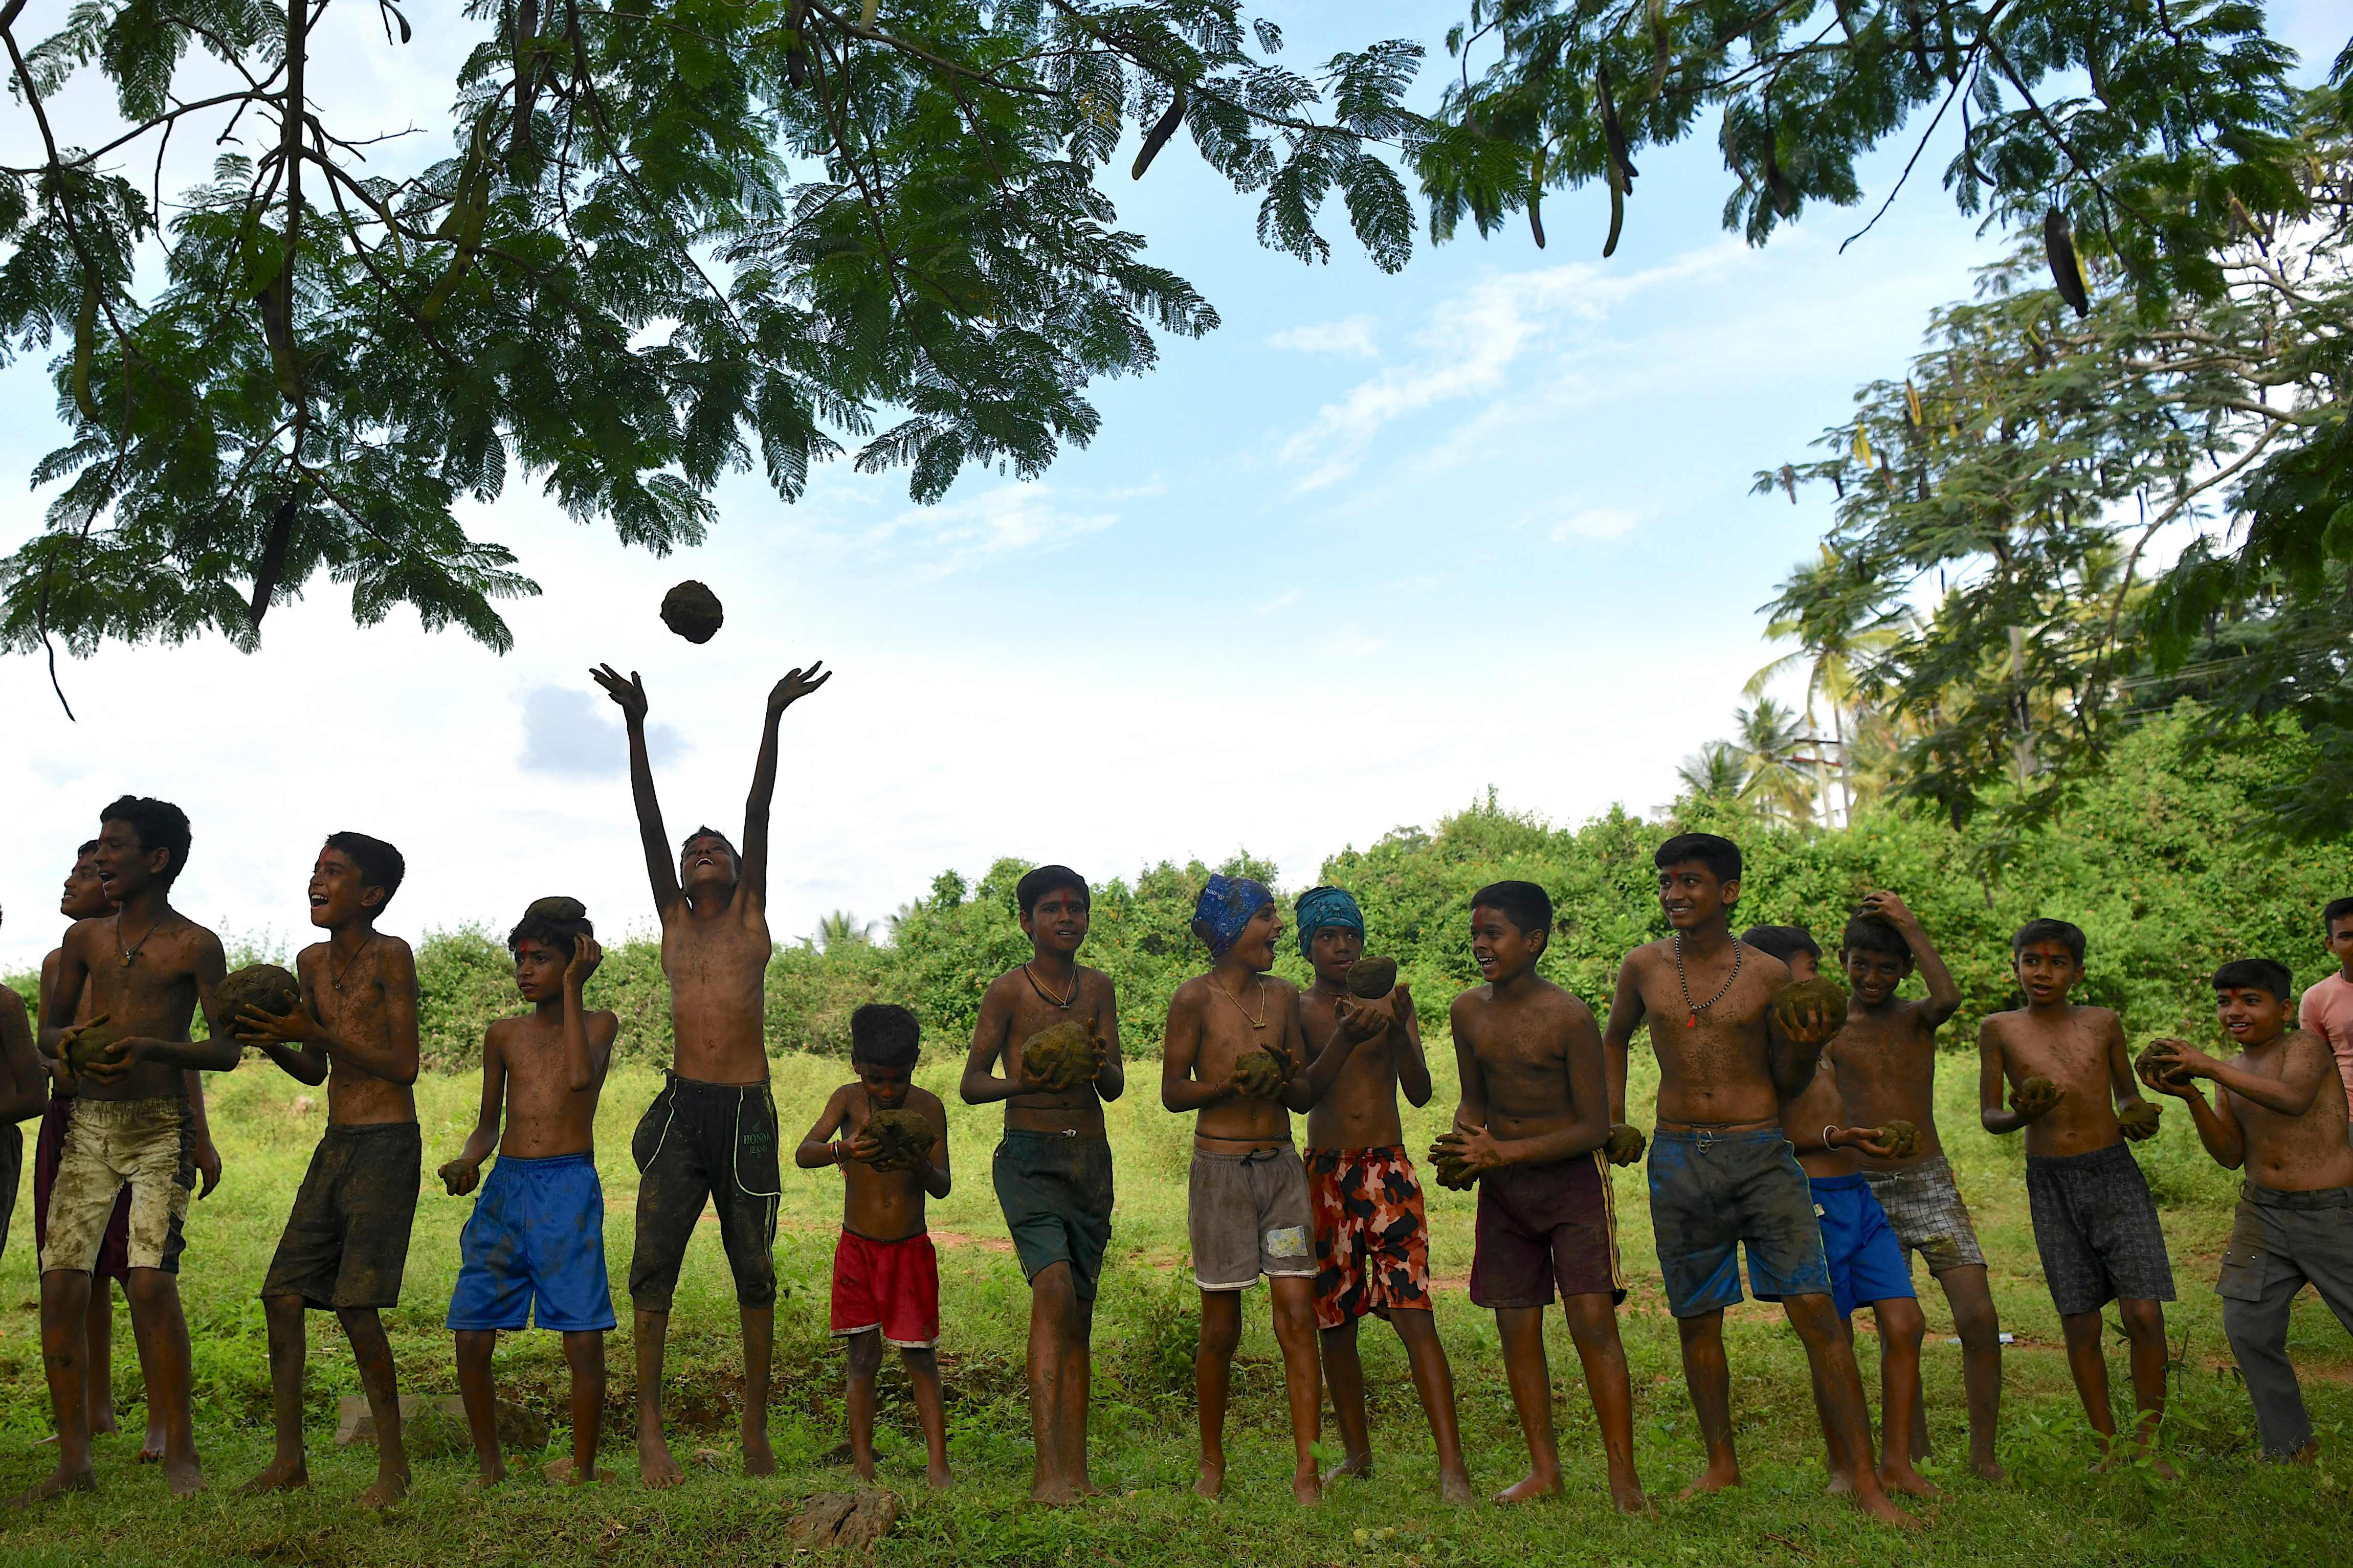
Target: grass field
2228	1509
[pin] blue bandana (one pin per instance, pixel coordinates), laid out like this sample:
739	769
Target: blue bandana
1227	905
1321	907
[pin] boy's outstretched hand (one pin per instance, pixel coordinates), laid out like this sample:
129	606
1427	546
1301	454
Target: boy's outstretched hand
1362	1021
629	694
460	1177
795	685
2035	1096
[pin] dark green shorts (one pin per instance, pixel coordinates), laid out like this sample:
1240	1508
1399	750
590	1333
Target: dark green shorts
1055	1189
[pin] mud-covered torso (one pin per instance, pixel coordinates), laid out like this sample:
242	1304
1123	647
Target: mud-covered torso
353	999
1033	1007
885	1206
1522	1044
145	989
2071	1051
1232	1026
544	1114
1359	1110
717	966
2304	1154
1886	1068
1814	1109
1713	1071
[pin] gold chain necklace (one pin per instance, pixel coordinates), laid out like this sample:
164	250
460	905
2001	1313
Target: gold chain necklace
1257	1022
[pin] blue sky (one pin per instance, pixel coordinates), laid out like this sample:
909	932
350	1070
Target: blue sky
1377	544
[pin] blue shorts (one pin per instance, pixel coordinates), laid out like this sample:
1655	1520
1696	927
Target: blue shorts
537	1231
1867	1263
1714	1194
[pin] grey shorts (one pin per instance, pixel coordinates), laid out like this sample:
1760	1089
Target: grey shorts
2095	1227
1249	1215
1925	1211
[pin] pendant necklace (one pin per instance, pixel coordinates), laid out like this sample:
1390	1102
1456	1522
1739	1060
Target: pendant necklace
133	951
1694	1010
1257	1022
1045	996
346	973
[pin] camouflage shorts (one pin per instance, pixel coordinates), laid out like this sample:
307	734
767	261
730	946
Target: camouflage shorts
148	1145
1925	1211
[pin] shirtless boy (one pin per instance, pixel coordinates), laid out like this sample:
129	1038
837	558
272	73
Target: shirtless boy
146	969
2094	1224
24	1090
346	1243
2327	1007
2279	1118
1867	1261
1248	1211
1531	1127
711	1134
1885	1059
533	1248
886	1275
1372	1237
1052	1170
1723	1175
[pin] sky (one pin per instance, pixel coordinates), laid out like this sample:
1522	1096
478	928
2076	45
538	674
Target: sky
1376	545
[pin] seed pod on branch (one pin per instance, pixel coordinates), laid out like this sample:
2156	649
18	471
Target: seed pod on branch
2066	271
1618	166
1162	130
1535	196
85	346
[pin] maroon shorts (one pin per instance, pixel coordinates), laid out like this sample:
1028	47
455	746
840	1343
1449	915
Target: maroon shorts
1545	1224
893	1286
114	1249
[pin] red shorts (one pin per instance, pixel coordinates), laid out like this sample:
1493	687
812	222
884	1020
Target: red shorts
893	1286
1372	1240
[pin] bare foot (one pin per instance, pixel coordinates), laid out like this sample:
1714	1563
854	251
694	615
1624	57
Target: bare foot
1715	1478
1535	1484
862	1468
2165	1472
184	1479
1306	1486
1053	1491
559	1472
1842	1485
1626	1498
657	1471
282	1476
1086	1487
1357	1467
390	1487
759	1459
1876	1504
151	1447
1907	1480
101	1422
1211	1480
2307	1454
488	1479
56	1484
937	1478
1989	1469
1454	1487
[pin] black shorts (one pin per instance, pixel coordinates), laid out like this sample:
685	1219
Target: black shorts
2095	1228
346	1243
698	1141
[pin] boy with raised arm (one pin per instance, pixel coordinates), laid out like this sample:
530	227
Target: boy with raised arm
710	1136
346	1242
1235	1057
533	1248
1052	1170
1532	1130
1372	1237
1885	1059
1867	1261
2094	1223
886	1274
1722	1175
146	970
2278	1117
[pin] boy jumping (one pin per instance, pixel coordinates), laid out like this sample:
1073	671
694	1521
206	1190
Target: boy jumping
886	1274
346	1242
147	969
1052	1170
1372	1237
2280	1119
1232	1055
710	1136
1723	1177
533	1248
2094	1224
1532	1129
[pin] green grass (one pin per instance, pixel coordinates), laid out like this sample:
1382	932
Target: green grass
2229	1508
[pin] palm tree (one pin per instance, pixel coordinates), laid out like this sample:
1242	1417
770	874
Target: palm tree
841	926
1714	772
1772	751
1840	636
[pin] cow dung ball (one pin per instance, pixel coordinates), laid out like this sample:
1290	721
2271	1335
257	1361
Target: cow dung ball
1372	978
1062	1055
1804	995
901	1135
692	610
557	906
264	988
1262	1073
90	1045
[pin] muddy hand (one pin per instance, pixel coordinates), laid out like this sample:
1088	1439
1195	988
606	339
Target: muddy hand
460	1176
2035	1097
2138	1121
1625	1144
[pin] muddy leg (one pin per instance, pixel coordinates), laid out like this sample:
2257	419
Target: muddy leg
289	1353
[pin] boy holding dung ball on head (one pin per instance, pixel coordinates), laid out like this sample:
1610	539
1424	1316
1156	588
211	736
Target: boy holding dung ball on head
886	1276
2072	1092
1372	1237
1534	1131
1054	1024
1235	1057
352	1023
534	1245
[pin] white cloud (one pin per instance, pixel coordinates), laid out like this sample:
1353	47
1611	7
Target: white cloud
957	535
1282	601
574	733
1595	522
1353	336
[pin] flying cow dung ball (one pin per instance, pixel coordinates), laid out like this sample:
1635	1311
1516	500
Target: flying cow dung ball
692	611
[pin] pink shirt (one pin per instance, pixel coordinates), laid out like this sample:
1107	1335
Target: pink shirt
2328	1011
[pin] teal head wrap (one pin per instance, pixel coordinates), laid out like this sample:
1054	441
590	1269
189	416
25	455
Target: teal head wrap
1320	906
